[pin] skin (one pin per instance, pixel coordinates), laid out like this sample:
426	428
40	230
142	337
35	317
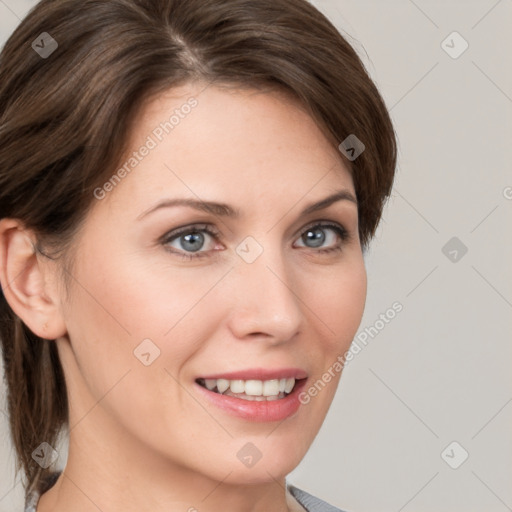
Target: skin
142	437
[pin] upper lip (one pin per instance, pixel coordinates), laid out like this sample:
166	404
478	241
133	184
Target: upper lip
260	374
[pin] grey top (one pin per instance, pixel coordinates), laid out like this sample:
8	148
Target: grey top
310	503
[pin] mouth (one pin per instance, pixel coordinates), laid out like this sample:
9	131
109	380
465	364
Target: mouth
252	390
257	394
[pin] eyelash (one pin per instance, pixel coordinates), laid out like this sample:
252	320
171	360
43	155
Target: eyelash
200	228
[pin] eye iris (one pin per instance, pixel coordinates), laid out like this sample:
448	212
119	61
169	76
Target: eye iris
191	238
317	236
193	241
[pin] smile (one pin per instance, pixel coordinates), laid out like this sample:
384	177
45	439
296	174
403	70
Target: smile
257	394
251	390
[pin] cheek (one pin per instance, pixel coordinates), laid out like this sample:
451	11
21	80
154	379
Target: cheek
339	304
337	309
109	325
129	299
106	323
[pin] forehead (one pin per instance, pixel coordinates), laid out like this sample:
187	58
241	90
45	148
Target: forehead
208	141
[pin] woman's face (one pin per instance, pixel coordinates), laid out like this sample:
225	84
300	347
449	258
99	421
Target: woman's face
166	300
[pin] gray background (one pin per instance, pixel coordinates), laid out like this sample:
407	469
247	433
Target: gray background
438	372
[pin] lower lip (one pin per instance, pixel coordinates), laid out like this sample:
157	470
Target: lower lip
274	410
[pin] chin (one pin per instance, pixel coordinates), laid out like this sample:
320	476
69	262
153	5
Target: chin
272	461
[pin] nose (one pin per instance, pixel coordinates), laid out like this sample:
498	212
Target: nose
267	301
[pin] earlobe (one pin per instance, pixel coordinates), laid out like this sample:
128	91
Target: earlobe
26	281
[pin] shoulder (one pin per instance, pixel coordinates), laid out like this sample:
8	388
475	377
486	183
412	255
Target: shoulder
309	502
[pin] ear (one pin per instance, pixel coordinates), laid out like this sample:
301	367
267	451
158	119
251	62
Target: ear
29	281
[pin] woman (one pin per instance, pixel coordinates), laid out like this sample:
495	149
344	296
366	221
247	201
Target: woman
190	378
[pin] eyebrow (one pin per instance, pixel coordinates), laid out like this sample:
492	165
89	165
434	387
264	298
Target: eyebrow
224	210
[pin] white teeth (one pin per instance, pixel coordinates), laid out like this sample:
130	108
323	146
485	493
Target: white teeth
257	398
210	383
252	389
270	387
222	385
289	385
251	398
237	386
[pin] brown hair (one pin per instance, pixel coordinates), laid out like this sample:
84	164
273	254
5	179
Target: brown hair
65	120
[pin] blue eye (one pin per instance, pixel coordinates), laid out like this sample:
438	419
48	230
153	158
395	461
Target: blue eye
191	239
315	234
